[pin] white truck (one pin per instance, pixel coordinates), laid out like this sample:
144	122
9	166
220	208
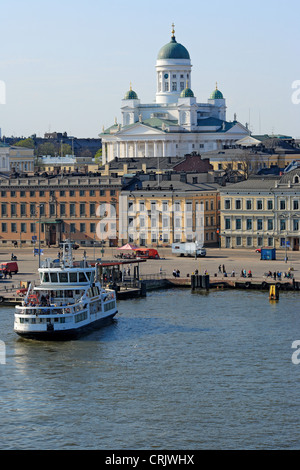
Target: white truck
188	249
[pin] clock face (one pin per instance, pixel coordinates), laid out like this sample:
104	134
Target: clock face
166	75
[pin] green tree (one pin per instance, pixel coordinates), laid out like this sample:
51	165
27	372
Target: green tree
47	148
98	157
27	143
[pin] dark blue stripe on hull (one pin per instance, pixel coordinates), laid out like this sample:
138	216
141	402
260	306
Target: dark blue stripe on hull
63	335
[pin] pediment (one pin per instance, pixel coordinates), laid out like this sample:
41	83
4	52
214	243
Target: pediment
140	130
238	128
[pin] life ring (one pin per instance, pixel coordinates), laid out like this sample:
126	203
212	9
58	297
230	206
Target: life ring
278	285
247	285
68	310
264	285
1	299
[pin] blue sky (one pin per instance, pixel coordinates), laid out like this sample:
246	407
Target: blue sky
67	64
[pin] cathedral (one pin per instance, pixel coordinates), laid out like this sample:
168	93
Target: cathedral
174	124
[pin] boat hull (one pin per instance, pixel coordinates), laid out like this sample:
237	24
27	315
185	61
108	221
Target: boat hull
68	334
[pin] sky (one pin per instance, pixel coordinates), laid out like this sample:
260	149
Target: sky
66	65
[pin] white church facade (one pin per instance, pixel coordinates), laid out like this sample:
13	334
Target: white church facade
175	124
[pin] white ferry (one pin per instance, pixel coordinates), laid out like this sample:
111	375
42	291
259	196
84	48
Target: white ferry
68	302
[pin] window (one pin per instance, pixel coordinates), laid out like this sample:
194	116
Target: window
142	206
82	228
13	227
270	241
259	205
259	224
4	227
23	210
295	204
13	193
238	224
166	89
102	192
22	193
52	209
81	192
92	192
3	209
92	209
249	205
72	209
227	204
72	193
282	205
174	86
296	225
282	224
181	86
23	227
82	209
72	228
112	192
32	228
62	209
62	193
259	241
32	209
13	209
42	193
42	210
270	224
189	206
238	241
270	205
248	224
249	241
92	227
227	223
238	204
31	193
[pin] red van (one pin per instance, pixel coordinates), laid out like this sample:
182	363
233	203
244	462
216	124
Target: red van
147	253
10	267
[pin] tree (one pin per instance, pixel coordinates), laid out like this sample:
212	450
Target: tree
98	157
46	148
27	143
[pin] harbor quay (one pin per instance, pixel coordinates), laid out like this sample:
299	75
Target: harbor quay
220	264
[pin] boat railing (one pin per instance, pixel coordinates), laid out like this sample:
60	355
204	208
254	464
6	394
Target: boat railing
49	309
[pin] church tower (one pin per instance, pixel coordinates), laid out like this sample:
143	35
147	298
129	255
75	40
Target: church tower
173	71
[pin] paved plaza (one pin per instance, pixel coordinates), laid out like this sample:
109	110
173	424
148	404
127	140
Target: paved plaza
232	260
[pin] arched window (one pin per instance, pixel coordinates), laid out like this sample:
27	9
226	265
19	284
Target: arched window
296	179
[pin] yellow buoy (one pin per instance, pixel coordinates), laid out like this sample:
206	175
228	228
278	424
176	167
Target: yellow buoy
274	292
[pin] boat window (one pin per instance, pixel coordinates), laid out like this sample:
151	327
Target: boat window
82	277
63	277
53	277
88	273
46	277
73	277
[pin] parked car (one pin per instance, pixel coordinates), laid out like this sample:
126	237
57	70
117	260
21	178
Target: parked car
10	267
258	250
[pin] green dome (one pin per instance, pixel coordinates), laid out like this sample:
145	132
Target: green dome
216	94
187	93
131	95
173	50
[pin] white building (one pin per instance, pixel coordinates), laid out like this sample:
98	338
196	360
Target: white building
175	124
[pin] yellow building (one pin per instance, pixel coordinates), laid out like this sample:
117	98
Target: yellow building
262	211
162	212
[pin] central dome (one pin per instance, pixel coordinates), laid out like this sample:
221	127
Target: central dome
173	50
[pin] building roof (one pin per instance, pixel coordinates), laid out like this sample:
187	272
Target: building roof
173	50
253	184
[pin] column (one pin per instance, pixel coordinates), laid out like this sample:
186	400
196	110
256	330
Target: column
126	151
135	149
146	149
164	147
103	152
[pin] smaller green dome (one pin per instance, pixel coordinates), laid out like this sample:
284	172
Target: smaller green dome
216	94
131	95
187	93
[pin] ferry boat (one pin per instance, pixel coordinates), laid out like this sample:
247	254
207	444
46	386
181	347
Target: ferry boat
68	302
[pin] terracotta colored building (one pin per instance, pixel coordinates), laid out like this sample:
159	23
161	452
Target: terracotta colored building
83	208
